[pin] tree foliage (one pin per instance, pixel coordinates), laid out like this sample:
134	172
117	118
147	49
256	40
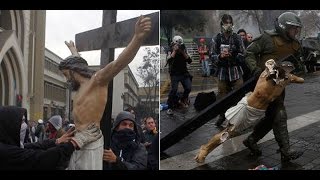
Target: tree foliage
181	20
251	20
149	73
264	19
311	22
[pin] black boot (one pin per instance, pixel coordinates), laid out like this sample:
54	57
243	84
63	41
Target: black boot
281	135
289	155
251	143
220	120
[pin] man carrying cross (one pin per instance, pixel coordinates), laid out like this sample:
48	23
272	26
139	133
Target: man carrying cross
91	92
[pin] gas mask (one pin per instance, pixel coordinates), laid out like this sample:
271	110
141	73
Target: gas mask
227	28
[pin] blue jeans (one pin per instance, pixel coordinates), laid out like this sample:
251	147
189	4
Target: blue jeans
205	67
186	84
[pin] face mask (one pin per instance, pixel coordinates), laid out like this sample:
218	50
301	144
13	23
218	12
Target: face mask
125	135
23	131
124	139
227	28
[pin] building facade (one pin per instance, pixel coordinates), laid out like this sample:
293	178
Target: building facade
130	95
149	96
56	93
22	41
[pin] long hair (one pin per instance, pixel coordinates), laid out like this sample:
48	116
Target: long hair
77	64
224	19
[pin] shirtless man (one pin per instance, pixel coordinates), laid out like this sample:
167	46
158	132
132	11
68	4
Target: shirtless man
251	108
91	92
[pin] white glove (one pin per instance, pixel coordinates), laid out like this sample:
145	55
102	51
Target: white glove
84	137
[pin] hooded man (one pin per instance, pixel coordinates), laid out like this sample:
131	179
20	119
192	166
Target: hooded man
126	152
49	154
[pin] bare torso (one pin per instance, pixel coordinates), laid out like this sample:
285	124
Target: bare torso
90	100
265	92
89	103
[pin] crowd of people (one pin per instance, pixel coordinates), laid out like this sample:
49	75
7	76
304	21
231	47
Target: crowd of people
130	149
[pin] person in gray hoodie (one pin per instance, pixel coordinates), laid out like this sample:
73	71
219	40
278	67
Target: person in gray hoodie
126	151
55	127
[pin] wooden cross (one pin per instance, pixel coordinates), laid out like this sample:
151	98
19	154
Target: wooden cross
112	35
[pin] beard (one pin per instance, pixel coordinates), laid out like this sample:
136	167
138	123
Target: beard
74	85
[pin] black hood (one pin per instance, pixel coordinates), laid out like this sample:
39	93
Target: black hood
10	124
124	115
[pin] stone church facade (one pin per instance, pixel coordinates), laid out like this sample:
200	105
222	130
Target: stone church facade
22	48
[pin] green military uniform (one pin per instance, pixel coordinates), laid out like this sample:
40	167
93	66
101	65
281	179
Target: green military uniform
272	45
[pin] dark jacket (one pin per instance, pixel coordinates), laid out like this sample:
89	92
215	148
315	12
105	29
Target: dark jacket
132	156
178	64
44	155
235	47
153	154
149	136
40	132
229	68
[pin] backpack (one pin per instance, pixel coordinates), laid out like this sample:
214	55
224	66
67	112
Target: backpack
203	100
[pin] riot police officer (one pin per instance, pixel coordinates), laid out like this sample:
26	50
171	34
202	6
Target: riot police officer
274	44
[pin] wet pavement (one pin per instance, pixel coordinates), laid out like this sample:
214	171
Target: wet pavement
306	139
303	109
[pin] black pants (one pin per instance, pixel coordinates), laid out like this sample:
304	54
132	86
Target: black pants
186	81
276	119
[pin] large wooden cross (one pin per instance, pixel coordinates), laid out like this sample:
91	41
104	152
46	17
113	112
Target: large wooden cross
112	35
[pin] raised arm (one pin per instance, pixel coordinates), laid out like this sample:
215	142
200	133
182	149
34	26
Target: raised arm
72	48
295	79
142	30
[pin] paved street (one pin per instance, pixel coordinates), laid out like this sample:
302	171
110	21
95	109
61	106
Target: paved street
303	108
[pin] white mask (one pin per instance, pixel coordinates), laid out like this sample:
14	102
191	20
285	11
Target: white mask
227	28
23	131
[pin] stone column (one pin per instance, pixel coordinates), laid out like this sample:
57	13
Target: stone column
36	101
